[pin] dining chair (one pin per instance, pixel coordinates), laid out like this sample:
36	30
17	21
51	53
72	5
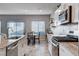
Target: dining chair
30	38
38	37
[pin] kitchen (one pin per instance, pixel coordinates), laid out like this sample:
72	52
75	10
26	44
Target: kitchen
56	22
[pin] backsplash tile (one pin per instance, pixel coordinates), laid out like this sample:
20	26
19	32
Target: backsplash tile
63	30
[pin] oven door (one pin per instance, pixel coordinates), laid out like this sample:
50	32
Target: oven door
53	49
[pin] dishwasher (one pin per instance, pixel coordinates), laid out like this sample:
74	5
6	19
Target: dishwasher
12	50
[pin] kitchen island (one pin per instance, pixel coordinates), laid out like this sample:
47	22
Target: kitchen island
13	47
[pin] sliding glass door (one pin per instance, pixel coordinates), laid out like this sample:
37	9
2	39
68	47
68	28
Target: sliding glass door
38	27
15	29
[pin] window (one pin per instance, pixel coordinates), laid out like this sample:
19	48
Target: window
38	26
15	29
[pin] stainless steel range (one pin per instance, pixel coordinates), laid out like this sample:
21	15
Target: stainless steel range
53	47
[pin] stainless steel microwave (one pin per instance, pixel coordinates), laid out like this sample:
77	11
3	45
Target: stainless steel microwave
66	15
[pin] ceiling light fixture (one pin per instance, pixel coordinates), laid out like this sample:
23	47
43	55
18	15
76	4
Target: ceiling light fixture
40	10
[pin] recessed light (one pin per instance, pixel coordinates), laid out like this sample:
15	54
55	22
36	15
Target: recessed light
40	10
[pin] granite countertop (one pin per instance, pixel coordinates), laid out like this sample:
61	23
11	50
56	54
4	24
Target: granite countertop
65	39
71	47
62	38
10	41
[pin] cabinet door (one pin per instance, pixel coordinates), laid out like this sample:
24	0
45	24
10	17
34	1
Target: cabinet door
13	51
55	51
68	49
50	48
2	51
20	53
64	52
22	45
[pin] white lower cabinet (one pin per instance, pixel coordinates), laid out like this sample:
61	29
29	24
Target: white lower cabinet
68	49
22	47
17	48
13	51
2	51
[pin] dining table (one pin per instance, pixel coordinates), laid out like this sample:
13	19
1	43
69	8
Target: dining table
31	38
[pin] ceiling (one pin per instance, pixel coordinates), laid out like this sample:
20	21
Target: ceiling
28	8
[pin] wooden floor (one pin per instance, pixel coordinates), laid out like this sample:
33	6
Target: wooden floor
37	49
